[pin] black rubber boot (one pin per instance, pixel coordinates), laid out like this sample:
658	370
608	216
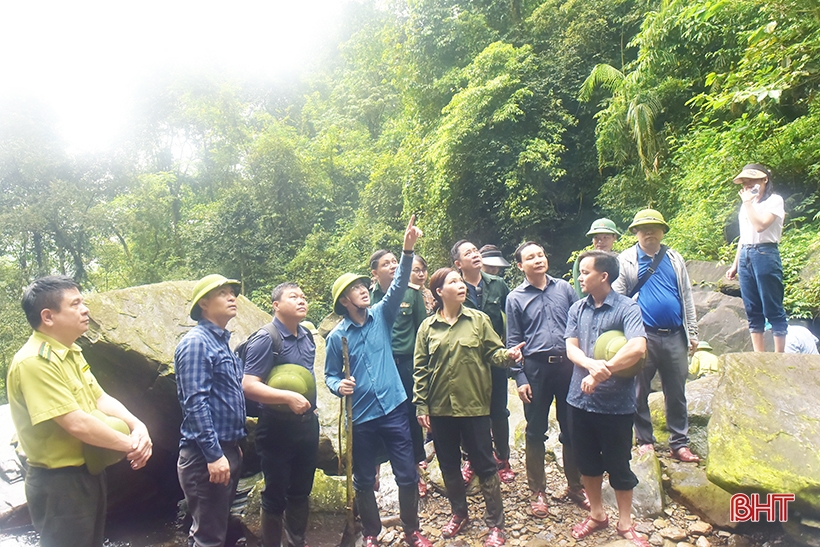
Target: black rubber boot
296	521
368	512
409	508
494	506
271	530
534	453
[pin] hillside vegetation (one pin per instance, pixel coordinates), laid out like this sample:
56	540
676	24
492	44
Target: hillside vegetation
498	121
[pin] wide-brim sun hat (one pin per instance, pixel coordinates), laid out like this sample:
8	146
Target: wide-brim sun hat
340	286
494	257
608	344
703	344
206	285
603	226
752	171
645	217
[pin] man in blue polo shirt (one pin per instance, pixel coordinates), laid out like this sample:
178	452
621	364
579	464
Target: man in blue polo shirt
668	311
287	439
377	391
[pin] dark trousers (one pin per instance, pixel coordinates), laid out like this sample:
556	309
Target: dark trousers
288	445
209	504
548	382
666	353
404	363
603	442
393	430
67	506
499	415
474	432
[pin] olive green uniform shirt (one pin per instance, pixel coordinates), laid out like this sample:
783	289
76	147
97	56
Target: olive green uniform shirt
47	379
452	365
494	291
412	311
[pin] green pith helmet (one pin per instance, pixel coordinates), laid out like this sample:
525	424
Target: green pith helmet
340	286
648	216
206	285
98	458
293	378
703	344
608	344
603	226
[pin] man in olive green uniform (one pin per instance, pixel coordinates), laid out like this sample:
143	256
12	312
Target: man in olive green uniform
412	311
604	234
52	393
488	293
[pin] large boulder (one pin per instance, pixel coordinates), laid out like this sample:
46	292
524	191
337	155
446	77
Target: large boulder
722	322
130	347
764	434
689	486
711	275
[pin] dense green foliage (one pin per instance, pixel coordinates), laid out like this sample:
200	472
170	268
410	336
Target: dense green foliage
495	121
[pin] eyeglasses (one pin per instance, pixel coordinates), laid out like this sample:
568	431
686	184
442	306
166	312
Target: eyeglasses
419	271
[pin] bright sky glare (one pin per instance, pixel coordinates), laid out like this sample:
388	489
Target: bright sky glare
85	58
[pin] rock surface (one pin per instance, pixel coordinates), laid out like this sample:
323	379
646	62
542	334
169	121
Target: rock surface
689	486
699	396
647	497
764	435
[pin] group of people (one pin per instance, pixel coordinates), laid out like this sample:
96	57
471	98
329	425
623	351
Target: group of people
434	359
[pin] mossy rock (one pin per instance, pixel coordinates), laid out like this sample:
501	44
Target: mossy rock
689	486
764	435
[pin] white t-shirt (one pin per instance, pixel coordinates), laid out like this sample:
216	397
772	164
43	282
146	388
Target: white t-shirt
750	236
800	340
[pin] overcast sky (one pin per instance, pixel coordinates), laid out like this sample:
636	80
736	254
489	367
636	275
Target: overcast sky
85	58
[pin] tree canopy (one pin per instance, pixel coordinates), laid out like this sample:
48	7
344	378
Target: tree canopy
495	121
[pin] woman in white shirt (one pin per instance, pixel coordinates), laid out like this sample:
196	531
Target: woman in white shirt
757	262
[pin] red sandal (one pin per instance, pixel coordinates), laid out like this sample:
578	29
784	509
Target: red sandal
633	536
454	526
587	526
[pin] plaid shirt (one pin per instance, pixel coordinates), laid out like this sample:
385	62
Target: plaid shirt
209	388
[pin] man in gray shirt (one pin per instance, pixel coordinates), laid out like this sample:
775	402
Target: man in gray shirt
537	314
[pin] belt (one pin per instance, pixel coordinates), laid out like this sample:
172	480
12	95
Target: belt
546	358
653	330
759	245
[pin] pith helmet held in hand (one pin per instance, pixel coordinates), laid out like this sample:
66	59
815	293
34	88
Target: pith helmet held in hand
645	217
603	226
206	285
340	286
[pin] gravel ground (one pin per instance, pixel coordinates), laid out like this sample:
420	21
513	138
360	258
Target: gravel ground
678	527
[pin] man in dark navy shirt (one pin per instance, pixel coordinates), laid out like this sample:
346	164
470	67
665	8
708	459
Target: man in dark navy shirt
537	314
488	293
287	439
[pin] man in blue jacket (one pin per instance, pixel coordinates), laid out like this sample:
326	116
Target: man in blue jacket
377	391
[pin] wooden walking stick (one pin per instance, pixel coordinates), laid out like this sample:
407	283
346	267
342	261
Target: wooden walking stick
349	535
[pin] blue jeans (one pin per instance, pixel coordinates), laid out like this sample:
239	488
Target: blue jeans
761	287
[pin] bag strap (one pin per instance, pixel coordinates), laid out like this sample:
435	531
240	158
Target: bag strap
650	270
276	340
